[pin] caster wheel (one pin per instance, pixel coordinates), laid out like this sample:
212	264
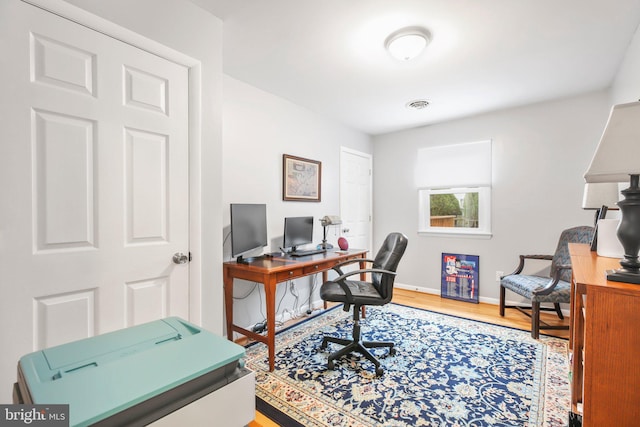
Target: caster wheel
379	371
392	351
330	365
323	346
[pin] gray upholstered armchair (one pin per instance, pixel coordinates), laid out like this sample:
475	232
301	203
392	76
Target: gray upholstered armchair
555	289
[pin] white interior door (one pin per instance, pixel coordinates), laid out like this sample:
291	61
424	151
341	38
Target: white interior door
355	198
95	196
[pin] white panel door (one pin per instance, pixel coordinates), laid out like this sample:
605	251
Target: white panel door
355	198
94	171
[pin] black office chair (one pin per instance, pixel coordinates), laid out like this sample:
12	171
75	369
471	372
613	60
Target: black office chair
359	293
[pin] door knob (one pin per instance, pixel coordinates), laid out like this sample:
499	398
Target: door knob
180	258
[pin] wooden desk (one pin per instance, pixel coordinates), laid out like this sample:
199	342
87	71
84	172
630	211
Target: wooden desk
270	272
605	342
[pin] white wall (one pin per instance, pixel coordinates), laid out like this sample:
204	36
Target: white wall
182	26
540	153
626	86
258	128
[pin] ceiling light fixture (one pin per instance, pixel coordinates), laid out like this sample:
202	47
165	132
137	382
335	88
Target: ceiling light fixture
407	43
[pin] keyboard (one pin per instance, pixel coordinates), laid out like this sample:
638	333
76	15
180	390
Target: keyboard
307	253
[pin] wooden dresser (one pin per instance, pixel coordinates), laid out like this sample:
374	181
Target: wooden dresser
605	343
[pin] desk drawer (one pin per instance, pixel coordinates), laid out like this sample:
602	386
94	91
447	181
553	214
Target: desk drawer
316	268
291	274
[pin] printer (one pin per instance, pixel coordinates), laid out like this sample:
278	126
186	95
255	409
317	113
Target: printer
166	372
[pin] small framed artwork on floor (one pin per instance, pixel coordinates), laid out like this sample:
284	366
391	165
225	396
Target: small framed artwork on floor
460	277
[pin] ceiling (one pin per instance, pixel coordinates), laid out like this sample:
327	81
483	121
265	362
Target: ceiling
329	56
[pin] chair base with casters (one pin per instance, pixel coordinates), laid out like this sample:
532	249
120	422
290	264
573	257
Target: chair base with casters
356	345
357	294
554	290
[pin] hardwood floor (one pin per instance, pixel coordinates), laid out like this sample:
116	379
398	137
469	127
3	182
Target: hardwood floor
483	312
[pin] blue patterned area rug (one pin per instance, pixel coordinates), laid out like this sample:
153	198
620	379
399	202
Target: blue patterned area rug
448	371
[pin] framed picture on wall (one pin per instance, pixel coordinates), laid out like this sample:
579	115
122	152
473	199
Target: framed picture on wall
460	277
301	179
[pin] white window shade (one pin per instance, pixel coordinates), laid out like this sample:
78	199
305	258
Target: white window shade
459	165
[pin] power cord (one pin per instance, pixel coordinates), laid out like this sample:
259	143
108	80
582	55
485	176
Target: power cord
261	327
313	288
255	285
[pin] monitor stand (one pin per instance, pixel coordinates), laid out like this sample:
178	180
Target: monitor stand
241	260
290	250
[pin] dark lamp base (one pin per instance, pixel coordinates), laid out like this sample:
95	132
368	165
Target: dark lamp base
629	233
623	275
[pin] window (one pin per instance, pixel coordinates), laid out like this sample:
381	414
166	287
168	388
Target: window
461	210
454	189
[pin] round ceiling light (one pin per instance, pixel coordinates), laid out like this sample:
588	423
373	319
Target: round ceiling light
407	43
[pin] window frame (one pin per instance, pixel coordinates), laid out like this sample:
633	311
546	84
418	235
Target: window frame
484	213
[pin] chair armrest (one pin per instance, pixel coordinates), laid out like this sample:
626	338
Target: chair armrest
337	268
363	271
555	278
520	266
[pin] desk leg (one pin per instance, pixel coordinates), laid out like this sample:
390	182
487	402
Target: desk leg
363	277
270	292
325	277
228	303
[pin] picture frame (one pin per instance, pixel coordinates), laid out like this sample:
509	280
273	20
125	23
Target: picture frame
600	214
460	277
301	179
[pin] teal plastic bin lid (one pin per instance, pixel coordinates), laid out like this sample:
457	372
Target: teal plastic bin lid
103	375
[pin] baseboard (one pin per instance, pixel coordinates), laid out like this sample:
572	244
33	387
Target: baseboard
494	301
437	292
287	315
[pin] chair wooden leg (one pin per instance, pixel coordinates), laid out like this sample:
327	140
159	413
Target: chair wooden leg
558	310
502	297
535	319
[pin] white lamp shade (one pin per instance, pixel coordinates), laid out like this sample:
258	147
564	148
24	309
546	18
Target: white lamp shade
618	153
598	194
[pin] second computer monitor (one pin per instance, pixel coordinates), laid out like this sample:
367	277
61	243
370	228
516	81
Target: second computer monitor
298	231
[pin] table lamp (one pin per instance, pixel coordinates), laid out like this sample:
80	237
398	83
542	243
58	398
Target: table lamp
326	221
617	159
599	196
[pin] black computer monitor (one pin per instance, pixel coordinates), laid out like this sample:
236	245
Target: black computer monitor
248	229
297	231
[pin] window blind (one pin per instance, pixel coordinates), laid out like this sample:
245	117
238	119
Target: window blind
458	165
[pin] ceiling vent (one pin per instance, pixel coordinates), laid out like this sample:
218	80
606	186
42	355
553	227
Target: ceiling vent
418	104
